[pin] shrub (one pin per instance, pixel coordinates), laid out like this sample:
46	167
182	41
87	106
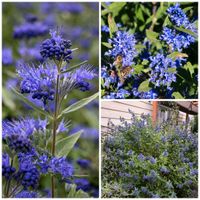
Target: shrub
142	160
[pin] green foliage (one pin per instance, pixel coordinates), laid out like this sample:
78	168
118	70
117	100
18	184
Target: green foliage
65	145
76	106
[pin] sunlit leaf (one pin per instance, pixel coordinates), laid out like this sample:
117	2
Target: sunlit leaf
76	106
65	145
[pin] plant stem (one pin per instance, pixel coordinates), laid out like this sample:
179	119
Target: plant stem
55	126
154	20
9	181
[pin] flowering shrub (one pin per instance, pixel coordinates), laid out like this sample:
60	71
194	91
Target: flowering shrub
143	161
41	156
151	54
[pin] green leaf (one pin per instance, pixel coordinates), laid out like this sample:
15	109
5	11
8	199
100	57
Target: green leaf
139	47
177	95
65	145
167	22
32	105
116	7
187	8
145	62
171	70
74	67
159	13
79	104
188	66
176	55
112	25
138	69
144	86
8	99
72	193
151	35
186	31
106	44
139	14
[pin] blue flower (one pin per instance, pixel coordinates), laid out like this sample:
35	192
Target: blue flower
177	16
176	40
105	29
151	94
7	57
152	160
32	53
141	157
29	30
28	173
71	7
43	163
193	172
39	81
84	163
56	48
82	184
17	133
122	94
61	166
164	170
160	74
27	194
144	190
123	44
165	153
7	169
82	75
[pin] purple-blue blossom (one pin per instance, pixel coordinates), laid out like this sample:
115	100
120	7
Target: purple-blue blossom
176	40
84	163
27	194
123	44
29	30
177	15
160	75
56	48
83	75
38	81
7	57
7	169
61	166
82	184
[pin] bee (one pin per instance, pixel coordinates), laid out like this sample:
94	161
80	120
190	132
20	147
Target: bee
122	71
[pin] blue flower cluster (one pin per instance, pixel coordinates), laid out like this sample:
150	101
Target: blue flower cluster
30	30
17	134
160	74
28	174
149	169
38	81
62	167
177	15
7	169
56	48
27	194
7	58
178	40
123	44
82	75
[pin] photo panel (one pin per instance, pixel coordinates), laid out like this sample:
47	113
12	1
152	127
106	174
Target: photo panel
149	149
149	50
50	107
